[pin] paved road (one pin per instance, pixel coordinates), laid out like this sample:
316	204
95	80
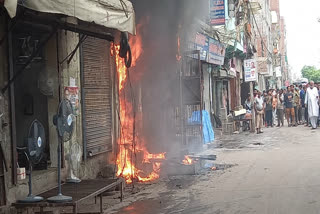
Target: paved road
276	172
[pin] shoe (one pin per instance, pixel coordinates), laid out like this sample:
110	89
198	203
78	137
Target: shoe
278	126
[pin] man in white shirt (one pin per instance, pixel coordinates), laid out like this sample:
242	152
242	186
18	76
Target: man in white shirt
311	100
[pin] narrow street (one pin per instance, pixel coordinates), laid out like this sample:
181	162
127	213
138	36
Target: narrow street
276	172
144	107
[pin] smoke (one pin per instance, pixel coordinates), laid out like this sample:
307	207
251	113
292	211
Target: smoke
157	86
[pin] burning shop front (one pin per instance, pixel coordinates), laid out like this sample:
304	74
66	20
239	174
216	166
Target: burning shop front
58	50
161	95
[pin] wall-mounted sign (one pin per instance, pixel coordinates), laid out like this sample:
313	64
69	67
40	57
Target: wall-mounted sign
278	71
202	44
217	12
217	52
250	70
72	94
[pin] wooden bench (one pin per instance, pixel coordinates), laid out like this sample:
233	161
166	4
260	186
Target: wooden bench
236	122
79	192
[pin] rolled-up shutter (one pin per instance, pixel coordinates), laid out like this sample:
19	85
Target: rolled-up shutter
97	95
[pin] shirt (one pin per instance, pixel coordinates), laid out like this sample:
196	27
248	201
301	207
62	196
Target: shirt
274	102
248	105
288	99
280	101
302	97
259	103
296	98
268	103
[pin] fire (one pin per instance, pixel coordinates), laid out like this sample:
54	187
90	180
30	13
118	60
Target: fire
187	160
156	156
136	47
129	144
178	55
121	68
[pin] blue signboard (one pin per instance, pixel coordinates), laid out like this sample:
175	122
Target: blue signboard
217	12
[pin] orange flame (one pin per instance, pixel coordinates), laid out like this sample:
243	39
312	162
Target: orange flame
187	160
178	55
126	159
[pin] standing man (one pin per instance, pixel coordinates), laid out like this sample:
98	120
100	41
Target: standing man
306	116
248	104
288	99
274	106
268	101
303	106
259	109
297	106
280	108
311	99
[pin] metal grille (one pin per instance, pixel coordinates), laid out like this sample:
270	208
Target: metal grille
189	114
97	95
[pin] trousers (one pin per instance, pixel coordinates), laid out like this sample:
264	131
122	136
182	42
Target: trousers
280	116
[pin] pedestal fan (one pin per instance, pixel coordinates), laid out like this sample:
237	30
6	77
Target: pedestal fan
35	145
63	120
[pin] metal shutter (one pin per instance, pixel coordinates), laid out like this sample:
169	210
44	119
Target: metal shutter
97	95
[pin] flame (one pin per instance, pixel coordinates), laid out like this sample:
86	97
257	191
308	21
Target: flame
178	55
187	160
126	158
136	48
121	68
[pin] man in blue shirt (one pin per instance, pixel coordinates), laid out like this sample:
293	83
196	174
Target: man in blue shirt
303	106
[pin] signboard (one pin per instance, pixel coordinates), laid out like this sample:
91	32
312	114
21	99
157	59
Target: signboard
287	83
202	44
217	12
217	52
278	71
250	70
72	94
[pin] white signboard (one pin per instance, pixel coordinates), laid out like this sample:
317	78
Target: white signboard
250	70
278	71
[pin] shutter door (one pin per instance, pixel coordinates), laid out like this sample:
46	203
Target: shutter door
97	95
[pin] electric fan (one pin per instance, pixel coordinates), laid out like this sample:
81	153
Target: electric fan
35	144
63	120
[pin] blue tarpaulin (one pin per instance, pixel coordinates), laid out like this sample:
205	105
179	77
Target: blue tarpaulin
208	134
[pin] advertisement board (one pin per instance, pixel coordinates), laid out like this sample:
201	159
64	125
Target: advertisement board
202	44
278	71
250	70
217	52
217	12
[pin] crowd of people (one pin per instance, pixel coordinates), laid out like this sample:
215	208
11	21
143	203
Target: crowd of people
297	104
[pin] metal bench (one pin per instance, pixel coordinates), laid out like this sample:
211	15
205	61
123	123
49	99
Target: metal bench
84	190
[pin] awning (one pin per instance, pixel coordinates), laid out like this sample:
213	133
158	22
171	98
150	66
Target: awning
116	14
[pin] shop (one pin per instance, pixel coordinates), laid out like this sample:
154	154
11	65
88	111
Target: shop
53	55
